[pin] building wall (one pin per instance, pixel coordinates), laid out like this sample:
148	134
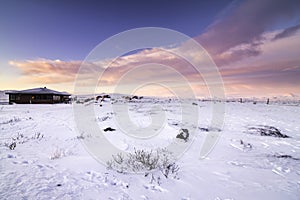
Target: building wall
4	99
30	98
37	98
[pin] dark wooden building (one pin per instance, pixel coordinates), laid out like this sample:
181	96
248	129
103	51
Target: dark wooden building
38	96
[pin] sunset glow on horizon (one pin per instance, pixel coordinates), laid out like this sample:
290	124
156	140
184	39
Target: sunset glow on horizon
255	44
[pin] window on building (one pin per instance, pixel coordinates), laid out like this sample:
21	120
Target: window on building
56	98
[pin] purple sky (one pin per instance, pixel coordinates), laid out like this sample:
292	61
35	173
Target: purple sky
255	44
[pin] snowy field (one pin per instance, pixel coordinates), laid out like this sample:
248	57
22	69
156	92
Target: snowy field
42	156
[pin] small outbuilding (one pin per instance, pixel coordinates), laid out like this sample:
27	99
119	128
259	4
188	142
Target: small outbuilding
38	96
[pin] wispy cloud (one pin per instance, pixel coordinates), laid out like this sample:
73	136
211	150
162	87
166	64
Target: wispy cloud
44	67
52	71
287	32
244	25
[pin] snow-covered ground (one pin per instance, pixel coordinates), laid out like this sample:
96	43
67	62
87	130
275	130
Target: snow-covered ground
49	160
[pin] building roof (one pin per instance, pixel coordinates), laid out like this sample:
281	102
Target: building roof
43	90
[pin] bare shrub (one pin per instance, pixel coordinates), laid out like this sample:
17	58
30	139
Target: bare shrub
145	161
20	138
264	130
83	136
57	153
11	121
80	137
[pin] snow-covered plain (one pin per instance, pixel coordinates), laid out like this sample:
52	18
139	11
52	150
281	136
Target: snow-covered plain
49	160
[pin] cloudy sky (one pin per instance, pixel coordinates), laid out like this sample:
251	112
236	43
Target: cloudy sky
255	44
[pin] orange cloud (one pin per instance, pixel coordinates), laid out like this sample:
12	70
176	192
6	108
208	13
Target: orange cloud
247	76
251	60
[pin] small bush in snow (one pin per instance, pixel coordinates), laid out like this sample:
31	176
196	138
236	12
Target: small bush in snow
11	121
88	99
80	137
37	136
264	130
145	161
21	139
57	153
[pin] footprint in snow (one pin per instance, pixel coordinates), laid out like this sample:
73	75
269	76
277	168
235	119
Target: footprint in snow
39	166
25	162
144	197
10	156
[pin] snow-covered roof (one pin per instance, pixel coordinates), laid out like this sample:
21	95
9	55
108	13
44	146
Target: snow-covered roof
43	90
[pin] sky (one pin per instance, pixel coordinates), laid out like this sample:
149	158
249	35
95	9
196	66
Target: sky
254	44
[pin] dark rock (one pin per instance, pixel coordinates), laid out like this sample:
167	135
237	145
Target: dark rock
127	98
209	129
106	96
286	156
109	129
12	146
98	97
246	145
183	134
103	97
204	129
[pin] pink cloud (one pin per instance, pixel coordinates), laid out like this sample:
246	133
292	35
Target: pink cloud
250	57
244	25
